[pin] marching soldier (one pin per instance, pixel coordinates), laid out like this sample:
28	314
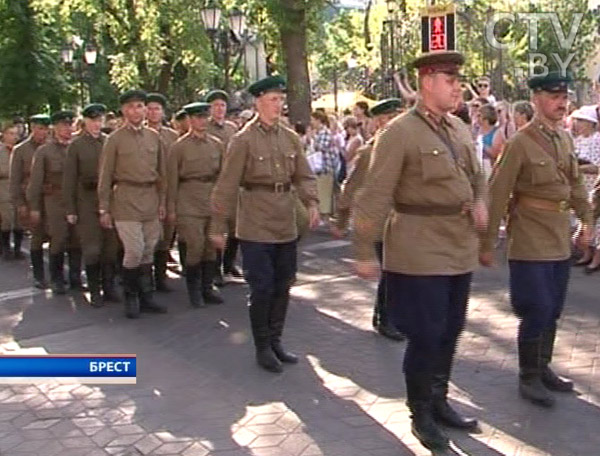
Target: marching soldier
382	113
45	191
219	126
425	185
193	167
131	192
7	209
156	104
264	168
20	171
80	183
537	178
182	125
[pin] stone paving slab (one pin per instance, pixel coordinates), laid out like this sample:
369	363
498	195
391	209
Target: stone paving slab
200	393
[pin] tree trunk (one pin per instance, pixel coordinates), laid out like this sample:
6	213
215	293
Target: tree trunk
293	42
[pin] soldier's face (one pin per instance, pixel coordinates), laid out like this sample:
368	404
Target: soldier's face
63	130
198	123
134	112
39	132
9	137
154	113
218	109
183	125
444	90
552	106
270	105
94	126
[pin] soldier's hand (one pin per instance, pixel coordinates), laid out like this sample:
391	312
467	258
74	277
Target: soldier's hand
583	237
106	221
479	213
218	241
35	217
486	259
72	219
162	212
171	218
367	269
313	217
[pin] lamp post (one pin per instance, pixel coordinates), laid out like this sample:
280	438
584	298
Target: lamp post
79	63
224	35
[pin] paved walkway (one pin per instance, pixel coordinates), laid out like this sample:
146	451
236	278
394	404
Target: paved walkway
200	393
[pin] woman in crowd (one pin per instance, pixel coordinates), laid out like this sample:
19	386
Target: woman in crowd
522	113
587	149
323	148
361	114
353	141
488	149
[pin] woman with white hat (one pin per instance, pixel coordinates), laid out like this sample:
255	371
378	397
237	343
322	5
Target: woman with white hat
587	149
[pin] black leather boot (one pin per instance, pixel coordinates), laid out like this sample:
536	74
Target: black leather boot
37	266
75	269
7	253
259	322
442	411
192	280
423	426
18	241
229	256
131	286
57	265
277	316
209	293
182	247
550	380
217	274
92	271
110	293
161	257
147	302
530	376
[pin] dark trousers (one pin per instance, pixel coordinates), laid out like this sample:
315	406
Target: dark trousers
380	311
538	290
431	311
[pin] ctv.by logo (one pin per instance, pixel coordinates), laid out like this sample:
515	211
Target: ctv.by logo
537	60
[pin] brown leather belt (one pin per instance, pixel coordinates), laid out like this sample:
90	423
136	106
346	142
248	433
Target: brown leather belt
136	184
279	187
543	204
199	179
3	177
428	210
89	185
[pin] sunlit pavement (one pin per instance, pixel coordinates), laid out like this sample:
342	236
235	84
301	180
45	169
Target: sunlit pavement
199	391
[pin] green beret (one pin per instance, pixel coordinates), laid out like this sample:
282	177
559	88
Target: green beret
216	95
554	81
62	116
133	95
157	98
94	110
40	119
439	62
269	84
386	106
197	109
181	114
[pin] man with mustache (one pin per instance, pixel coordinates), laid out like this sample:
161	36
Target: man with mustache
537	178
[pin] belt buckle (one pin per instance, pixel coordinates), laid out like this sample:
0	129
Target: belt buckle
563	206
279	187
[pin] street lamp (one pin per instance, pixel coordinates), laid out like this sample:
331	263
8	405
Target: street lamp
86	58
91	54
226	36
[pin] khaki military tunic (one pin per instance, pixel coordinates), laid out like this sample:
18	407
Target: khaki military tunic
132	184
193	167
45	190
224	131
425	183
259	160
352	184
537	164
7	211
80	184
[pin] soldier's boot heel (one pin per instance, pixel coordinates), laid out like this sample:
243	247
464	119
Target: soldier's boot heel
37	266
146	295
92	272
265	358
192	279
532	389
57	273
425	429
130	284
277	315
531	362
110	293
160	271
209	293
75	270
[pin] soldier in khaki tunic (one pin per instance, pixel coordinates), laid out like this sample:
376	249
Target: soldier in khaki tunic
382	113
537	178
264	168
45	190
132	193
182	125
223	129
80	183
20	170
193	166
425	186
156	104
9	223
